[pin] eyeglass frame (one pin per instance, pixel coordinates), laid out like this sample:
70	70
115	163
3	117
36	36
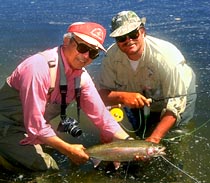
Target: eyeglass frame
88	49
131	35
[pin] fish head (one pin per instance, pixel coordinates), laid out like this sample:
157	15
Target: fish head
157	150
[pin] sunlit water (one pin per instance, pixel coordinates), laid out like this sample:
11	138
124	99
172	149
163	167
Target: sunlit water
30	26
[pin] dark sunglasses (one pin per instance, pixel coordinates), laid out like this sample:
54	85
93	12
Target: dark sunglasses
132	35
83	48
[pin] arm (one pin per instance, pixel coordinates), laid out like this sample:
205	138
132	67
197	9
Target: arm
94	108
165	124
129	99
172	84
75	152
32	80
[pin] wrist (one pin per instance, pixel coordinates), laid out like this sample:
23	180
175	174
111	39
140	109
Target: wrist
121	97
154	139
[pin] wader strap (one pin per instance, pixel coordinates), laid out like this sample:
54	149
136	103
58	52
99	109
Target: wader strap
63	86
77	87
53	71
63	90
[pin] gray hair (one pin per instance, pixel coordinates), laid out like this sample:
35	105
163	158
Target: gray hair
68	35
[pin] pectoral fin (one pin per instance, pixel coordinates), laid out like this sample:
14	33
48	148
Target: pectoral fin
96	162
116	165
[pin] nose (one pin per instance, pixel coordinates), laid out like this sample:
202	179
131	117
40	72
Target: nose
128	38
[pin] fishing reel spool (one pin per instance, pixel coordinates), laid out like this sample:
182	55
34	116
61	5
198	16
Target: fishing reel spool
117	113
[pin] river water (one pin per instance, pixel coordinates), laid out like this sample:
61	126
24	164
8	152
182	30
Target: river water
29	26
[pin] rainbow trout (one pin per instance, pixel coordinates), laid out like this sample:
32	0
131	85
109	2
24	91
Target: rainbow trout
124	150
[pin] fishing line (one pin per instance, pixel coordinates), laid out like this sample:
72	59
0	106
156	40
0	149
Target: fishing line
126	173
117	113
130	131
186	134
184	172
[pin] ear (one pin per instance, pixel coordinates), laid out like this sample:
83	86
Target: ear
66	41
143	31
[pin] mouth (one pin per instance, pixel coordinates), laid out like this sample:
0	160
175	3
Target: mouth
130	43
162	151
82	61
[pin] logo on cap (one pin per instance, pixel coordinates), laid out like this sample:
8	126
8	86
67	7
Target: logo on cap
98	33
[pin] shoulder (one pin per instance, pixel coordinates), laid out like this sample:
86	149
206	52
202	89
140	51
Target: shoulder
114	54
164	50
50	54
36	66
159	43
85	78
114	50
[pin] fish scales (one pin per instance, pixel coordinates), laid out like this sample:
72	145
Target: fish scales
125	150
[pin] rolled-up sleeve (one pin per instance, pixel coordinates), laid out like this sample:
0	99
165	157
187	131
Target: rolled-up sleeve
32	80
173	86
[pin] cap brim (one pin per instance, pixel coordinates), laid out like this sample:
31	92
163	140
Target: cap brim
90	40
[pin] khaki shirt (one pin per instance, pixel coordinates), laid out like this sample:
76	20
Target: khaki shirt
162	72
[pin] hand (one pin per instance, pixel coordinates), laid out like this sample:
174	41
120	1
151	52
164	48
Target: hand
140	158
77	154
134	100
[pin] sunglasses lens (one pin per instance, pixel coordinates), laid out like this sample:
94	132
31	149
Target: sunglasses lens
93	54
83	48
121	38
132	35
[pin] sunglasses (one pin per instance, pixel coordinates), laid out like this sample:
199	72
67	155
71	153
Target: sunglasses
83	48
132	35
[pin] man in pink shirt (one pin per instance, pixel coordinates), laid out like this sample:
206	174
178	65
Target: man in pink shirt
31	97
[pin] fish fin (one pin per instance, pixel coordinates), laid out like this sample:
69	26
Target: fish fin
96	162
116	165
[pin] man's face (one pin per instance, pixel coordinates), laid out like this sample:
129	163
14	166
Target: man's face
132	46
79	53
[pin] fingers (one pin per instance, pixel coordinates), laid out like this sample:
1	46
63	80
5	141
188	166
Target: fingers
78	155
140	101
141	158
135	100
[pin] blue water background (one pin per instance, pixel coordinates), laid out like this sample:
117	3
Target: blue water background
29	26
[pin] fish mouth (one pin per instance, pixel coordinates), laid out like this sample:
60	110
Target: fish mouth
161	151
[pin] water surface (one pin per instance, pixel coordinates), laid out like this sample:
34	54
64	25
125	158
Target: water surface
30	26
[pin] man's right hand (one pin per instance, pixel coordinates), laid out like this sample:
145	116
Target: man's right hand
134	100
129	99
76	154
73	151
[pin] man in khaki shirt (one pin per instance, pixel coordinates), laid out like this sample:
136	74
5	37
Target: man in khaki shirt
139	67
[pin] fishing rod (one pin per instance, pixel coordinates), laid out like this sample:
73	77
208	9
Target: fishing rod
152	99
176	96
118	114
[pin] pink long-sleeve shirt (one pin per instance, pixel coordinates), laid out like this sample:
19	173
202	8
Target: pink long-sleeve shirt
32	81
